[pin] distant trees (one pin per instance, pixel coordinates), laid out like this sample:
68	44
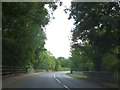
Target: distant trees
57	65
45	61
65	63
97	25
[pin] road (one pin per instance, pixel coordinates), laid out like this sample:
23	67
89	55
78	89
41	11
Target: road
48	80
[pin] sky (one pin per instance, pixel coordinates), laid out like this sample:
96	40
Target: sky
58	32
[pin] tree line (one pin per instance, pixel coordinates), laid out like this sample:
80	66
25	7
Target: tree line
95	42
23	35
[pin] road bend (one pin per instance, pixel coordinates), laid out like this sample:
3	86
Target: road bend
47	80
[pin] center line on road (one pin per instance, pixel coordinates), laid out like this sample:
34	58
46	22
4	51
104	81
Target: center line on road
66	87
61	83
54	76
58	80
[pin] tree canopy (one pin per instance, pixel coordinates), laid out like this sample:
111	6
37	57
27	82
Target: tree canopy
97	25
23	32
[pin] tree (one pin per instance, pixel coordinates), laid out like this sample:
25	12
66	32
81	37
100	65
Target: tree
97	25
81	57
23	35
64	62
57	65
45	61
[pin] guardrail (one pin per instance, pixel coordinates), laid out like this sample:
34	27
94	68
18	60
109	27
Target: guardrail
9	70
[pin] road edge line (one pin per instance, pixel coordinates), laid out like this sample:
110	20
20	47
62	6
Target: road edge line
61	83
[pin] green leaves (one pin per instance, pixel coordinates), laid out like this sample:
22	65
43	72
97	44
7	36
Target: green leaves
45	61
110	62
97	24
23	33
64	62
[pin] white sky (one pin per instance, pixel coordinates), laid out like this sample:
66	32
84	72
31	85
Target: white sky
58	33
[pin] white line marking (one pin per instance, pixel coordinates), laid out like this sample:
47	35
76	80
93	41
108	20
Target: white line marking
54	76
61	83
58	80
66	87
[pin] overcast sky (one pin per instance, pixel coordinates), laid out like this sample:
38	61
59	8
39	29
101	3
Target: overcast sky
58	33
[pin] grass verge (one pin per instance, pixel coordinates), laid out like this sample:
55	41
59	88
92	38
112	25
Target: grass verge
83	77
77	76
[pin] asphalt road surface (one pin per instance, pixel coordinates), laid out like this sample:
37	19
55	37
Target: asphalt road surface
47	80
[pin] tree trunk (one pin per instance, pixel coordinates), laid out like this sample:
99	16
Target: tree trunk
97	64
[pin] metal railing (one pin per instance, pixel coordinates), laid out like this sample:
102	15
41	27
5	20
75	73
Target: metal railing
9	70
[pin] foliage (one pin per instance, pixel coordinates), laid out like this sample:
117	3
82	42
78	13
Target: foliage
23	34
97	25
64	69
81	58
110	62
57	65
64	62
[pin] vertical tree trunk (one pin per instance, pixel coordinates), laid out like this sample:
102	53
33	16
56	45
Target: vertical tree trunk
97	63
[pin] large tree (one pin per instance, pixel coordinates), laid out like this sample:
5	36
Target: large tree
98	25
23	34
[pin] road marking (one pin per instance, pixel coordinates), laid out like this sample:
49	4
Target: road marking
54	76
58	80
61	83
66	87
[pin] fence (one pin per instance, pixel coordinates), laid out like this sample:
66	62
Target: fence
9	70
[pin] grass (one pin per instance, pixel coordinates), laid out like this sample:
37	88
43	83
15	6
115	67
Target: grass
77	76
83	77
64	69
